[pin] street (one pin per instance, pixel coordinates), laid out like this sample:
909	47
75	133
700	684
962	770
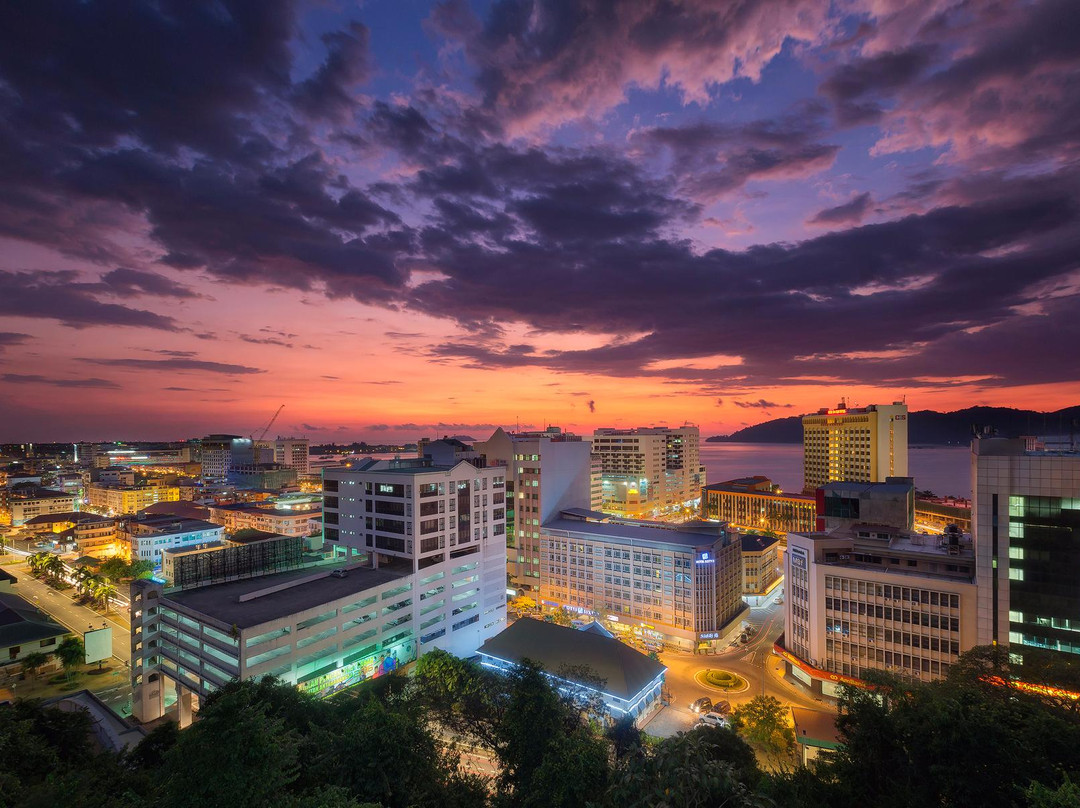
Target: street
754	662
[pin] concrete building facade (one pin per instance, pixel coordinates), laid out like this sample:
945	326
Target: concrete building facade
753	503
858	444
875	597
546	473
148	537
648	472
666	584
283	521
128	499
445	524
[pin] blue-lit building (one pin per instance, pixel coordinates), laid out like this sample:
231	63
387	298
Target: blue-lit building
628	681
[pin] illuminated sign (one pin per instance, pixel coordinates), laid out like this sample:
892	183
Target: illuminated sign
705	559
385	488
798	558
817	673
837	412
709	635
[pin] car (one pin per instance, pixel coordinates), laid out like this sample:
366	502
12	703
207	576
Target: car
702	705
713	720
339	573
722	706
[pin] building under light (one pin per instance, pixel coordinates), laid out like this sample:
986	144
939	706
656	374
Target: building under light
858	444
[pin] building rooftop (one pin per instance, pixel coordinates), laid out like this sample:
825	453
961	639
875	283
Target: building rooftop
240	603
892	485
755	543
815	728
181	508
757	485
67	516
21	623
624	671
251	507
634	533
169	524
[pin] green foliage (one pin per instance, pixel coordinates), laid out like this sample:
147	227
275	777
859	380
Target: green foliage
71	653
969	741
763	721
687	771
724	679
33	662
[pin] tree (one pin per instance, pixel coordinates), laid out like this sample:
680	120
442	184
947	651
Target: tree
103	591
682	772
33	662
71	653
236	754
561	617
55	567
115	569
763	721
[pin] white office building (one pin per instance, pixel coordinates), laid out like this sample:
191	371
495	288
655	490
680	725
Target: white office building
546	473
445	524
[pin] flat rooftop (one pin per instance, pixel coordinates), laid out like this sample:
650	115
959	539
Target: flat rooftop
617	532
306	589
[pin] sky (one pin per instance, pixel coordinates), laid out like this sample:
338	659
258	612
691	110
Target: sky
404	219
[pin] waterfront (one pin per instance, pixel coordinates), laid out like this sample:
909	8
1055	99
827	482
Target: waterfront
945	470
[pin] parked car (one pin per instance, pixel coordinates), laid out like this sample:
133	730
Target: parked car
702	705
722	706
713	720
339	573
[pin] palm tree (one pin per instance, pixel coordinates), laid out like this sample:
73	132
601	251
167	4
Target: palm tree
104	591
55	567
71	653
82	575
37	562
33	662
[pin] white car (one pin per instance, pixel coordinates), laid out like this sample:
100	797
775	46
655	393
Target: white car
713	720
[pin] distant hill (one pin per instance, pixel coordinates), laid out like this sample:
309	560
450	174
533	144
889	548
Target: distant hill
930	427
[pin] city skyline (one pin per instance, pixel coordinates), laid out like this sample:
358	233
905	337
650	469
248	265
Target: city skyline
425	220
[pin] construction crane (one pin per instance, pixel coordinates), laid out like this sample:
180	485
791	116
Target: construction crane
255	441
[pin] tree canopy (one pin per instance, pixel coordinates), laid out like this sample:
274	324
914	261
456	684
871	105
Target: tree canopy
972	739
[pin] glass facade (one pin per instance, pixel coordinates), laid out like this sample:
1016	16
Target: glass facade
1044	566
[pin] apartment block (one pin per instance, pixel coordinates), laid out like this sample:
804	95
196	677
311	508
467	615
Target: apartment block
282	521
671	584
27	503
1026	519
858	444
649	472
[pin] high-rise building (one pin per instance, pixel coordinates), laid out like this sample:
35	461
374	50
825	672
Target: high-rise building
546	472
1026	520
444	524
649	471
858	444
677	584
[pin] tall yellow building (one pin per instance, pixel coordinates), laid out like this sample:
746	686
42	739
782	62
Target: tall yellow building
855	444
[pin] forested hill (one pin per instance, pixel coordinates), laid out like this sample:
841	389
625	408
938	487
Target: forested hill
930	427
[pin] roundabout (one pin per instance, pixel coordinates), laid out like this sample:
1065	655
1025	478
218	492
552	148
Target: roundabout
721	680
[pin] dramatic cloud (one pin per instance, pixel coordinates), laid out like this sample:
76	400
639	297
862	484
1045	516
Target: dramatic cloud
849	212
56	296
727	198
180	365
545	63
17	378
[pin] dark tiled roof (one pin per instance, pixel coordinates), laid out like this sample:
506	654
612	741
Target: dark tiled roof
22	623
624	671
